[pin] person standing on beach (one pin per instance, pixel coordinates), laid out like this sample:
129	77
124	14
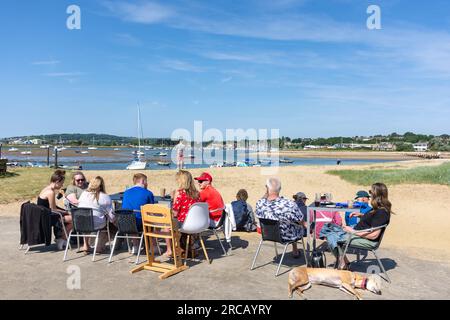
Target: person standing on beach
180	155
210	195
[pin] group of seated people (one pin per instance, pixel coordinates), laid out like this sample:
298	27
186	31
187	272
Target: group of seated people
375	209
83	194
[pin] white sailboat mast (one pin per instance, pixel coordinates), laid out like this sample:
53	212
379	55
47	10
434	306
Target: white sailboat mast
139	127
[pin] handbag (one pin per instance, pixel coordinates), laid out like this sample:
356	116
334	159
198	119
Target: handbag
318	259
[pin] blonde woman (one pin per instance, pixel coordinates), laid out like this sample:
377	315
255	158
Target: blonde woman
185	196
95	197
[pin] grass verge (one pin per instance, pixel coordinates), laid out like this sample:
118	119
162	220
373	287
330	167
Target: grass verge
23	183
420	175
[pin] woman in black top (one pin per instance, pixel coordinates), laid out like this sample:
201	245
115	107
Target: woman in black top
379	216
47	198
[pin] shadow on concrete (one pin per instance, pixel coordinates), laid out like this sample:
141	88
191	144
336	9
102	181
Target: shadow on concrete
238	243
364	265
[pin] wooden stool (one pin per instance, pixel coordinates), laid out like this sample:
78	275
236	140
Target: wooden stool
155	219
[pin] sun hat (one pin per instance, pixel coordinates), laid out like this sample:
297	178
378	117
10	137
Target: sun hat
362	194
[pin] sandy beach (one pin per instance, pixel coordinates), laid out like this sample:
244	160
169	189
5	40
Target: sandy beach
419	227
391	155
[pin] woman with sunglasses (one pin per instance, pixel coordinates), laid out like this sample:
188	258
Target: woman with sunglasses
74	191
379	216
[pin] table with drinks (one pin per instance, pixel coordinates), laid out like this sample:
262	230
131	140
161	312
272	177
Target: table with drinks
323	202
164	200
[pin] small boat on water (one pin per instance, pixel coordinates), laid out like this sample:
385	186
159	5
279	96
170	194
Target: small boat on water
138	153
13	150
26	152
35	165
265	161
285	160
44	147
138	163
162	154
84	152
116	149
92	148
164	163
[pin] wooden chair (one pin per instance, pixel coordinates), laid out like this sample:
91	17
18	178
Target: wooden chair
155	219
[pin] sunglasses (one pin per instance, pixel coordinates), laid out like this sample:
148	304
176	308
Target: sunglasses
80	180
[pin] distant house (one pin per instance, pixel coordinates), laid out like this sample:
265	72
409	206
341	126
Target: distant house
420	147
17	142
385	146
309	147
36	141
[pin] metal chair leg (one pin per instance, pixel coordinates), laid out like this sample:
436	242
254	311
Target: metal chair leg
276	249
304	252
256	255
381	266
95	246
67	246
159	248
220	241
281	261
113	248
128	243
140	248
109	236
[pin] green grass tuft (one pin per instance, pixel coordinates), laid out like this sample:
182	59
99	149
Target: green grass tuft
420	175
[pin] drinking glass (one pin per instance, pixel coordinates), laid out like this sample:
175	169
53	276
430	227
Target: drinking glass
317	200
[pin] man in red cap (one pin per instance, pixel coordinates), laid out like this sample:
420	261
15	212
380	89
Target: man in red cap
211	196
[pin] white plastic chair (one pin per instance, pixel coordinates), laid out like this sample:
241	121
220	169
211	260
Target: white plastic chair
197	221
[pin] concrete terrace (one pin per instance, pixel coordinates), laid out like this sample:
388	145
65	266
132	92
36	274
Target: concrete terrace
41	274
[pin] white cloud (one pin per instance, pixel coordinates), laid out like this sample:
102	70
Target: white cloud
63	74
179	65
127	40
142	12
44	63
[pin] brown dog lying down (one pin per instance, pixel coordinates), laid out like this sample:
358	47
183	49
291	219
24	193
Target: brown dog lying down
301	278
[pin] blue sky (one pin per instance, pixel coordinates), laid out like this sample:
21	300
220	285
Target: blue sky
307	67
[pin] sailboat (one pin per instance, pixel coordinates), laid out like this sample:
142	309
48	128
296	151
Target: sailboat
138	163
93	144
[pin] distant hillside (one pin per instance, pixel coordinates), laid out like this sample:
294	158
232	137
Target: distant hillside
79	139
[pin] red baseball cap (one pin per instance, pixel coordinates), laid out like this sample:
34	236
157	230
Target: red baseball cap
204	177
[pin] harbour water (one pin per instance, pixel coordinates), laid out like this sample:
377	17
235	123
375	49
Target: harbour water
112	159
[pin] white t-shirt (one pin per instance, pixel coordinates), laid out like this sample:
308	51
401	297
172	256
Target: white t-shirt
101	208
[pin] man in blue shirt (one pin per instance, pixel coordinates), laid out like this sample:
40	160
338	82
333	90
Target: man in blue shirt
362	201
136	197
